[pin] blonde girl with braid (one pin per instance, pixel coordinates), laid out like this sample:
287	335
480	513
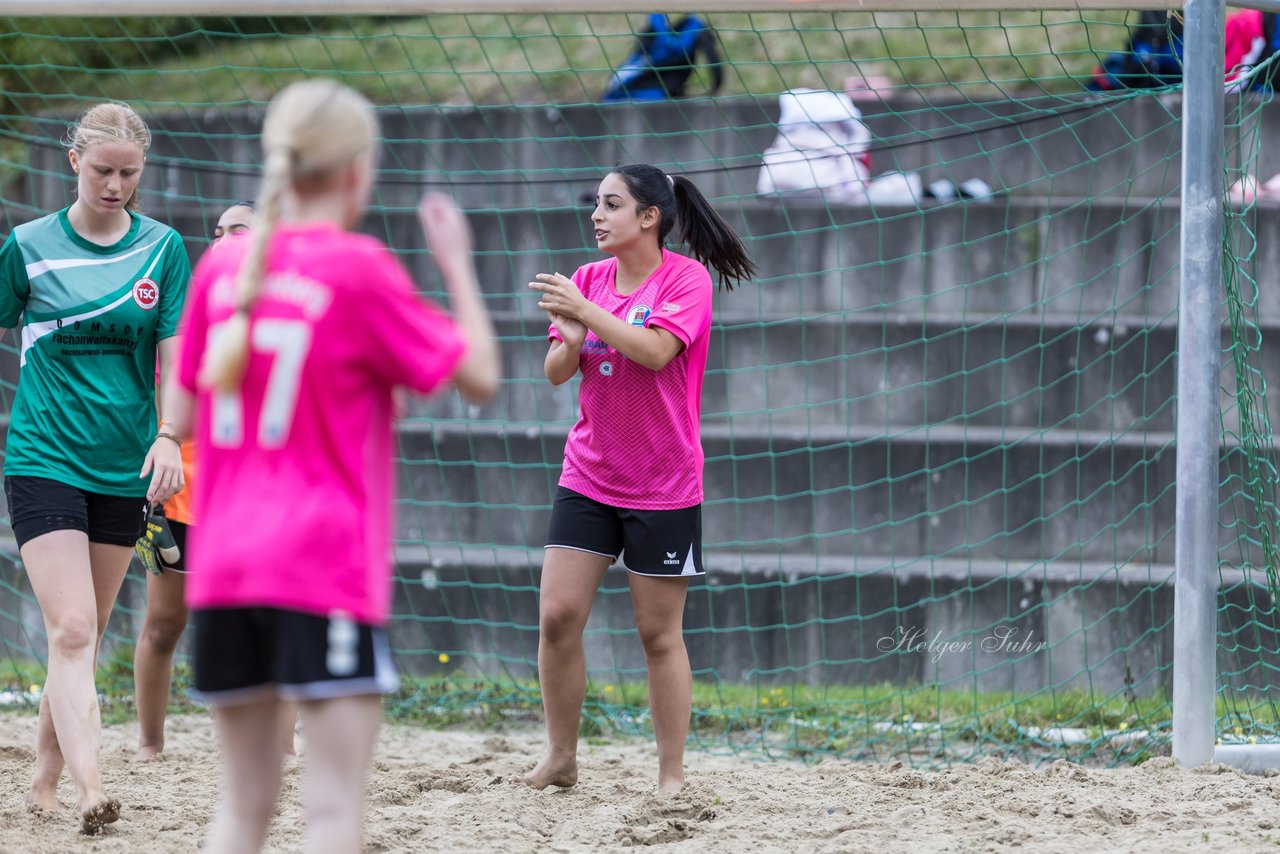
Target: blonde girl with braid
295	339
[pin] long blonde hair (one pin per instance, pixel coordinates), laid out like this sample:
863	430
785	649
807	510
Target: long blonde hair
311	129
110	121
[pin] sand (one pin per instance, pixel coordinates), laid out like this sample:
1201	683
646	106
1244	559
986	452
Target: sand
449	791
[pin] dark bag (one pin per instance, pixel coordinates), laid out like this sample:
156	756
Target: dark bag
1266	79
1151	59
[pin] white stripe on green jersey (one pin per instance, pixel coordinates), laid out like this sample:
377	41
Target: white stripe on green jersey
85	411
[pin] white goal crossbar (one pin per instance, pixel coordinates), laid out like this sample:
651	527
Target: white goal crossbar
280	8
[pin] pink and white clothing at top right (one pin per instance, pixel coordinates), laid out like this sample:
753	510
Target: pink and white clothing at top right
637	443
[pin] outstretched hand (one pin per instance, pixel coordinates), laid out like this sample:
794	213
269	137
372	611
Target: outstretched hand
446	231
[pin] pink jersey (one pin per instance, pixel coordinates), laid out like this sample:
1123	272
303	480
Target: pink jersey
295	486
637	443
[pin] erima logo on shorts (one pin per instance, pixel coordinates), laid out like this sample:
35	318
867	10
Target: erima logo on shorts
638	315
342	656
146	293
672	559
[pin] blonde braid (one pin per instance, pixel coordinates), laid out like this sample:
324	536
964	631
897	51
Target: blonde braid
311	127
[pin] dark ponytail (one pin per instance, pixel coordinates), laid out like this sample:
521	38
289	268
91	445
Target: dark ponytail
709	238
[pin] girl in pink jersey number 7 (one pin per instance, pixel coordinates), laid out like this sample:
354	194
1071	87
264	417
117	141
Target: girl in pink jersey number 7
294	341
637	326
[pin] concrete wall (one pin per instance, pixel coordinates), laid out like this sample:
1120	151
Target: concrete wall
1059	146
944	417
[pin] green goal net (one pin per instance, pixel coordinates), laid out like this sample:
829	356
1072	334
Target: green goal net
938	426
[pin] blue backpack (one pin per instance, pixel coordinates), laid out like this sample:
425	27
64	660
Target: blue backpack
1152	58
664	59
1271	44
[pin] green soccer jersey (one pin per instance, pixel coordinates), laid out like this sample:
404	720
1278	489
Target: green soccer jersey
85	411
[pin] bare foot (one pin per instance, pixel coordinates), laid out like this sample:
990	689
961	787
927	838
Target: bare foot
148	751
670	785
99	814
43	802
555	770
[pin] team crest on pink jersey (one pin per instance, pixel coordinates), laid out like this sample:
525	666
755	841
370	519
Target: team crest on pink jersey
638	315
146	293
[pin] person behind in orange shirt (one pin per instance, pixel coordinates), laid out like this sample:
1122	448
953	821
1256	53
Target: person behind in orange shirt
166	616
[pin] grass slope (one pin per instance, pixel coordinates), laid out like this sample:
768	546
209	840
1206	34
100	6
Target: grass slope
485	59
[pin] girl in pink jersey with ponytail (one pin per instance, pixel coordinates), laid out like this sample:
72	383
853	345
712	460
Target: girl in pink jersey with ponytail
637	326
294	342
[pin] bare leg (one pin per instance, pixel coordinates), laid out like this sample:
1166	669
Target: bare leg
569	582
76	583
251	761
288	727
153	658
49	762
340	737
659	607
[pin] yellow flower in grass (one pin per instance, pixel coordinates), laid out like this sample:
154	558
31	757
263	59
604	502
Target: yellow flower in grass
608	689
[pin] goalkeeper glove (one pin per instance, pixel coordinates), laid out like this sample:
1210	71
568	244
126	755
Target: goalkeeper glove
155	545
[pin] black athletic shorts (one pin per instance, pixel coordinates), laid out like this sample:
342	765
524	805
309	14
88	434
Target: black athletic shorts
179	531
241	654
38	505
653	542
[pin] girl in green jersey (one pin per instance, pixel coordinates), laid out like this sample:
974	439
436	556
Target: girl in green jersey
98	289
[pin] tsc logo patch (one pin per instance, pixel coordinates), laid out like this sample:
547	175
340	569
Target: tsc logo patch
638	315
146	293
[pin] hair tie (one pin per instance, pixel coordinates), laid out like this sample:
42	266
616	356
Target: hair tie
670	180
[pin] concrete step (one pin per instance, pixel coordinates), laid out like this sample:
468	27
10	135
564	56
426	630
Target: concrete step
949	492
964	493
967	259
866	369
999	257
1105	372
990	625
508	157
